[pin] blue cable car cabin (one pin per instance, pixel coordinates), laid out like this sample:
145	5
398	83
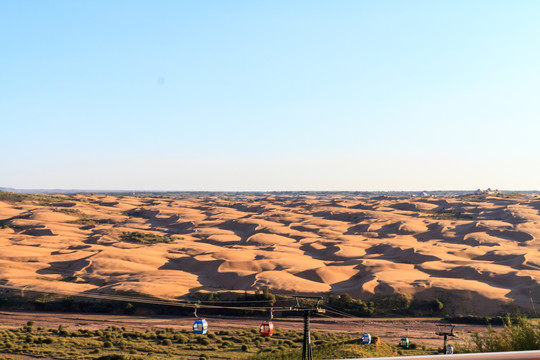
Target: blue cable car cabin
266	328
200	326
366	339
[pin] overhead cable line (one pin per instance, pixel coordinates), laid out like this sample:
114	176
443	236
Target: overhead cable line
180	303
339	312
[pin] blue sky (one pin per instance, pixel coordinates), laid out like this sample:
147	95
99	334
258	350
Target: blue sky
275	95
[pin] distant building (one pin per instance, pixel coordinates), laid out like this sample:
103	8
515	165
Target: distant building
488	191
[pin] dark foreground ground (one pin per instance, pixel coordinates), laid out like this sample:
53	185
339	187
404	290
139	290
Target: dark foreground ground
420	330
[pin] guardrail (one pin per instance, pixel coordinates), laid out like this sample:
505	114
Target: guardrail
508	355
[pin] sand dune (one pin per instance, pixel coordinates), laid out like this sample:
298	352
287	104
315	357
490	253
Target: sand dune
485	252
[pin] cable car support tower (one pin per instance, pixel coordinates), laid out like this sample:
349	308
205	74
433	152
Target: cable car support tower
309	305
445	330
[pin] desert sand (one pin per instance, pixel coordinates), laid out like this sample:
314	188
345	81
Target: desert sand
477	254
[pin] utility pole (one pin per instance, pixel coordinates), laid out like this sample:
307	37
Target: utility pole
308	310
532	303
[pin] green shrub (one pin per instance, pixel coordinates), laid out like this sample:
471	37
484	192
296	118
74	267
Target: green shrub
518	336
181	339
350	305
112	357
129	309
237	339
13	197
437	305
144	238
149	335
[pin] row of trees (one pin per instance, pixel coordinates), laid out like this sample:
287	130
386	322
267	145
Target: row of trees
392	305
396	304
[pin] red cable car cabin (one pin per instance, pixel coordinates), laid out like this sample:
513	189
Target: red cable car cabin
267	328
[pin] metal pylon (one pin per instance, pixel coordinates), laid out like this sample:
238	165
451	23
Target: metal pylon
307	353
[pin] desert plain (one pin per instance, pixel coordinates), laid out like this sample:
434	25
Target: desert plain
478	254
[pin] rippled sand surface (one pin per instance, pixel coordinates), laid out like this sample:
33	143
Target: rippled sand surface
477	253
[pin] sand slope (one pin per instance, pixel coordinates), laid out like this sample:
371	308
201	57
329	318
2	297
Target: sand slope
484	251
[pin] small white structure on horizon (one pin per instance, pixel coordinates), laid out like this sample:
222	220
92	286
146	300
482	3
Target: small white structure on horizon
488	191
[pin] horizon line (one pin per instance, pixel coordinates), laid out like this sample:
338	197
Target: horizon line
60	190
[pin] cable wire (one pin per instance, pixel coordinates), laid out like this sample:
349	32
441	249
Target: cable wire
178	303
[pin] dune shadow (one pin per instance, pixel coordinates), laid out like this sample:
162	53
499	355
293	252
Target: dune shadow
66	268
512	235
399	255
358	229
208	274
205	239
241	229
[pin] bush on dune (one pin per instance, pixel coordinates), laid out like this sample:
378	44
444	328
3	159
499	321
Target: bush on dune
144	238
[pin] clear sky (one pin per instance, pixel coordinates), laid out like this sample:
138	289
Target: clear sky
270	95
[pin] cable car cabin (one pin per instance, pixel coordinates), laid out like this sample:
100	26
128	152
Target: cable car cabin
200	326
404	342
366	339
267	328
